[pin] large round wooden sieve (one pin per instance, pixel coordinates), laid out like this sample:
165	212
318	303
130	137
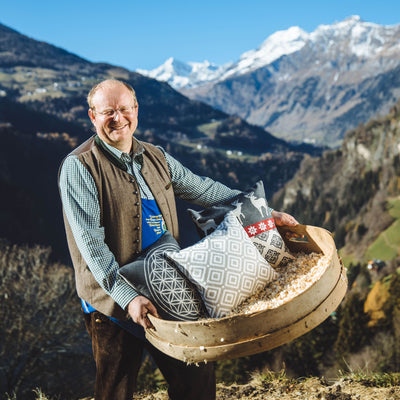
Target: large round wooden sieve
245	334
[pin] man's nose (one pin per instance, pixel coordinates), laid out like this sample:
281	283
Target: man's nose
116	115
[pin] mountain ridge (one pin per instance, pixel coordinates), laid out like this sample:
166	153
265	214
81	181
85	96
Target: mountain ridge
278	44
11	39
340	75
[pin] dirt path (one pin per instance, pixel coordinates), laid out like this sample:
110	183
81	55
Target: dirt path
310	389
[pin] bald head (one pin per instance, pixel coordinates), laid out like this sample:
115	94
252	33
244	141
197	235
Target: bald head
109	84
114	113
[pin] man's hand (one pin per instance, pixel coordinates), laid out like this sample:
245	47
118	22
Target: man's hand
138	309
282	218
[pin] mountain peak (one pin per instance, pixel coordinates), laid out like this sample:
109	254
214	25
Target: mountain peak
179	74
360	38
275	46
291	34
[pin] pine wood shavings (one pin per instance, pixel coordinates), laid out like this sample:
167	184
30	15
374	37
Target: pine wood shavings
296	277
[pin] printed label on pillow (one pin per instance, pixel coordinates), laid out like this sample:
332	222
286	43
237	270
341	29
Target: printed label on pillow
260	227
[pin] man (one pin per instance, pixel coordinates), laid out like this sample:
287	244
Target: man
118	198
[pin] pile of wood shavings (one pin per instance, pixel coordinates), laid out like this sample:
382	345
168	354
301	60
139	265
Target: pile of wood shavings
295	277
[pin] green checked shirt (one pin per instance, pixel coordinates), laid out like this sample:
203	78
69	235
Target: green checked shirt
81	206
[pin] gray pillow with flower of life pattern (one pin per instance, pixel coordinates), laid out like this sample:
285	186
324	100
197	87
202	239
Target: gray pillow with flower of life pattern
154	277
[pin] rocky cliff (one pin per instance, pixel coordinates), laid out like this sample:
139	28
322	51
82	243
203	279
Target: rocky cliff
347	190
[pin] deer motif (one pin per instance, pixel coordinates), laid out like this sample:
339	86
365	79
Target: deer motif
237	211
209	226
259	203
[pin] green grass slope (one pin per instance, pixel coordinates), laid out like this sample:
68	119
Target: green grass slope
387	245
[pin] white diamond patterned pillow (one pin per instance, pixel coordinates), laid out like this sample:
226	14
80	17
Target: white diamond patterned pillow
225	266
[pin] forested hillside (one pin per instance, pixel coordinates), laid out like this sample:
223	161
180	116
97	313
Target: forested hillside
350	190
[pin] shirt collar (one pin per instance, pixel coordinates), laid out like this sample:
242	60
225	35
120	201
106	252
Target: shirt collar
137	147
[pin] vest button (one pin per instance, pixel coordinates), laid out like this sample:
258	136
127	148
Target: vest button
137	203
137	216
137	240
137	228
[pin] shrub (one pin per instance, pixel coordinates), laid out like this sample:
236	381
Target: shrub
353	331
43	342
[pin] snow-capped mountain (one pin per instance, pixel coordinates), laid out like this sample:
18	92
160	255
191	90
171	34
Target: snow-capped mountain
179	74
275	46
357	37
302	86
353	36
188	75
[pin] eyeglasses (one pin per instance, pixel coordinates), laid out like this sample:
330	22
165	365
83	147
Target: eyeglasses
110	112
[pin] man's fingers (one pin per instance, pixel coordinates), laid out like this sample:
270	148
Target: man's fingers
144	321
152	310
282	218
139	308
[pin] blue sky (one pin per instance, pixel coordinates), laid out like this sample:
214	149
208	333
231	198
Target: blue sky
143	34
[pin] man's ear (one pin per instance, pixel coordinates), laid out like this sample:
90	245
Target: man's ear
91	115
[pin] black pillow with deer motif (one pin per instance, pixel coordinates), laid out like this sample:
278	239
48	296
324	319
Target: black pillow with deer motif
252	211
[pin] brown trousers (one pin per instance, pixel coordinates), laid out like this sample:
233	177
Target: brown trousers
118	356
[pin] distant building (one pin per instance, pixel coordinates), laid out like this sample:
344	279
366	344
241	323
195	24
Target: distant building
375	265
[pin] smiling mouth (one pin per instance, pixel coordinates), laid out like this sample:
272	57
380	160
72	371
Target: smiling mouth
118	128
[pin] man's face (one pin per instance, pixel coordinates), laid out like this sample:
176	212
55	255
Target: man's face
115	115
